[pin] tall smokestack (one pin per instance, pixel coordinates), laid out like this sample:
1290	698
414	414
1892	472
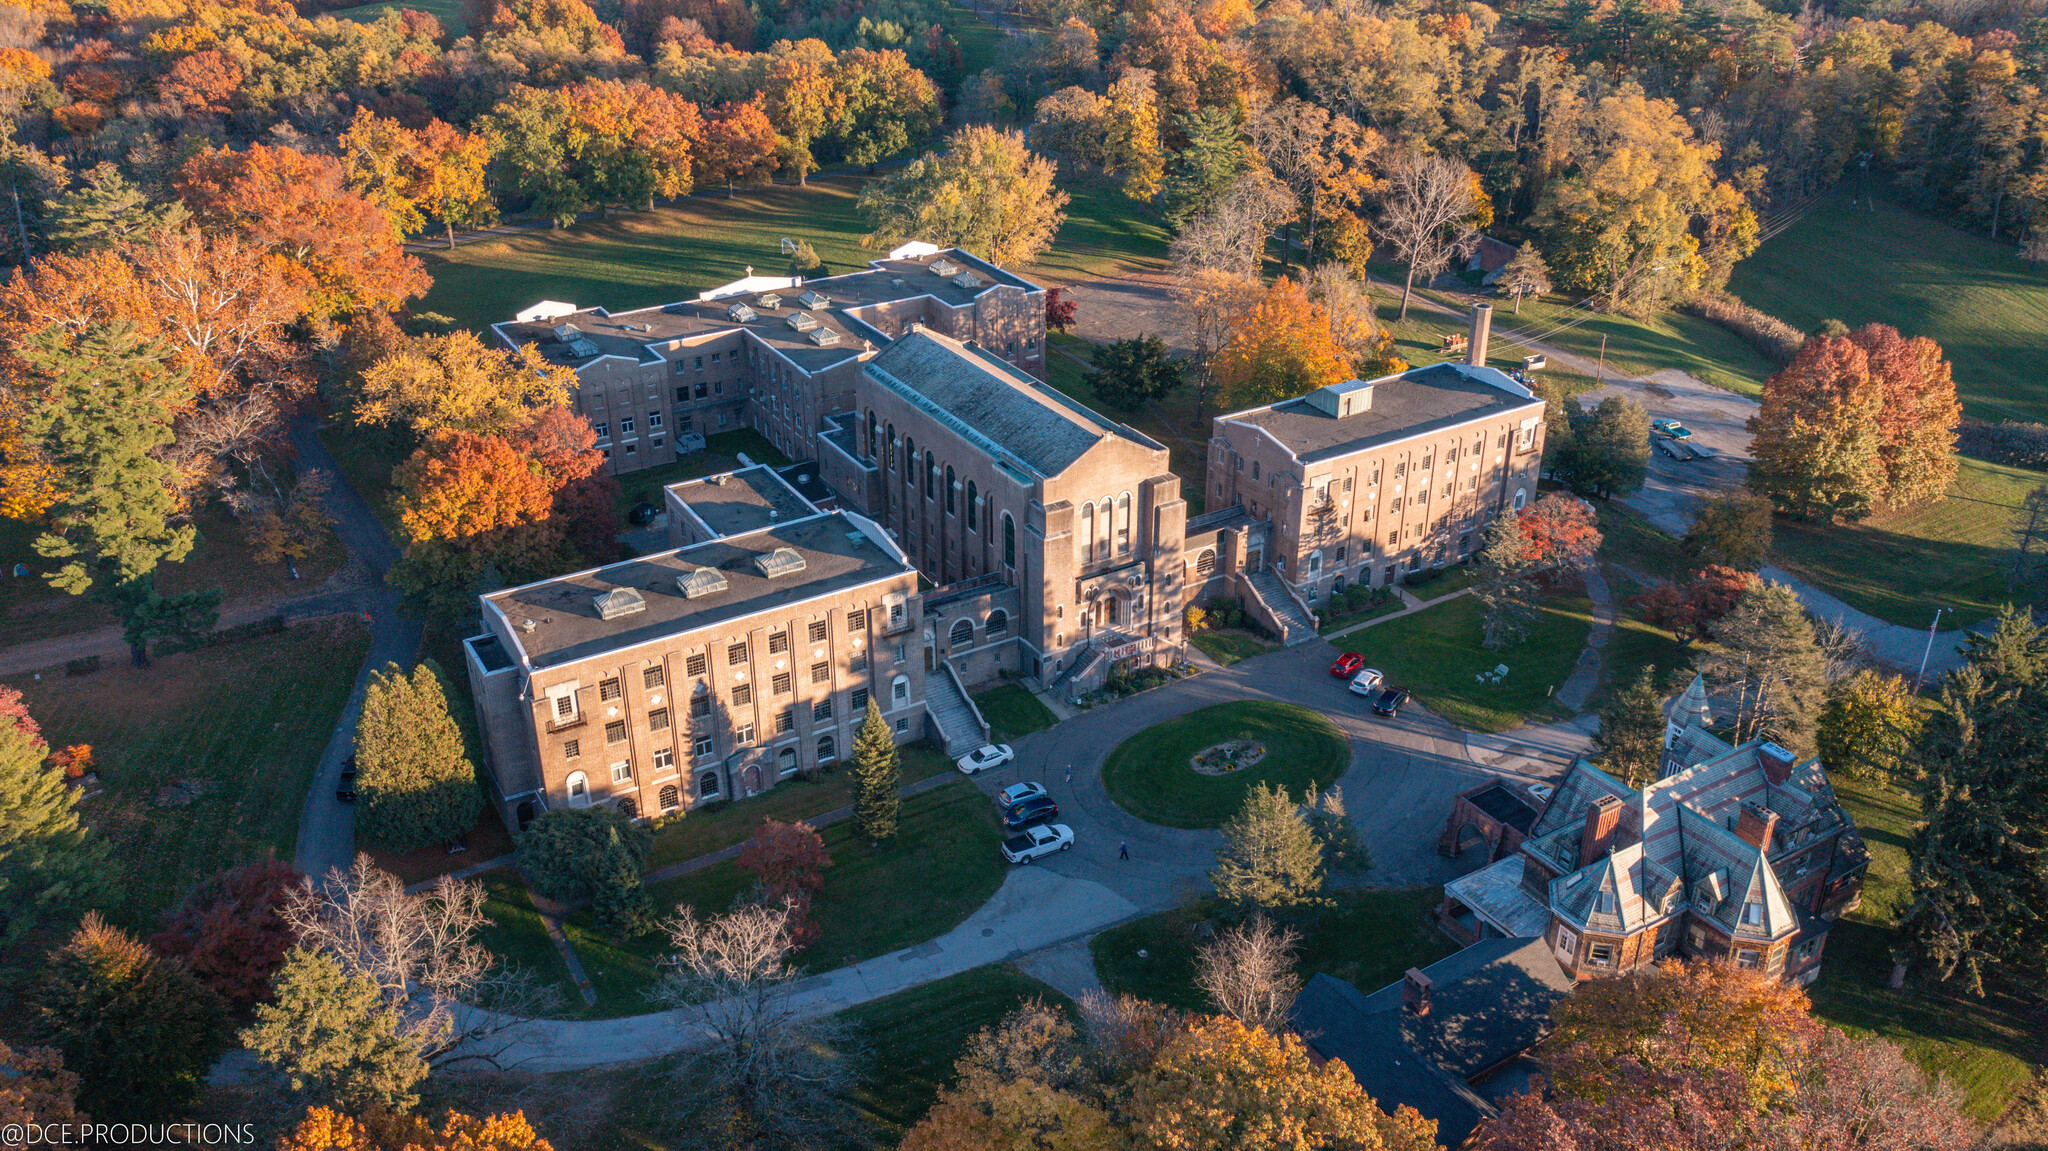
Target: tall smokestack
1482	327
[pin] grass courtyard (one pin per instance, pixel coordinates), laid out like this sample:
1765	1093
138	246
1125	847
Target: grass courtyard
204	758
1436	654
1149	775
1013	712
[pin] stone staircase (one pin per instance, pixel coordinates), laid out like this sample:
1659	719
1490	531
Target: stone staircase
959	723
1284	614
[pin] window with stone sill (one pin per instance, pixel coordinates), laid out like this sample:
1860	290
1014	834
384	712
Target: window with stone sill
665	760
615	731
701	746
780	684
743	694
735	654
652	677
696	665
607	690
743	734
817	631
572	749
657	720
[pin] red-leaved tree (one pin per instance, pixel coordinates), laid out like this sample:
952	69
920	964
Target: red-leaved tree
1563	532
14	710
789	860
229	931
1690	610
1059	311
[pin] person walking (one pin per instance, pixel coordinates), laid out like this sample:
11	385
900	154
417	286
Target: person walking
1070	773
1123	851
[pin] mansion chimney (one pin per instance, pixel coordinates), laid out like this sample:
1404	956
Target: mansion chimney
1482	327
1415	992
1776	763
1603	819
1755	823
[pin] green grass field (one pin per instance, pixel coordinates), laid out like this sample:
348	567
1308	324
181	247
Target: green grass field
204	759
1013	712
1436	654
1640	347
1881	263
1368	939
448	12
1228	647
1148	774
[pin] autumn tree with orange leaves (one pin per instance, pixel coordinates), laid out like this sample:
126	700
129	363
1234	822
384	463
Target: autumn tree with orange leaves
739	145
1280	347
596	144
324	1129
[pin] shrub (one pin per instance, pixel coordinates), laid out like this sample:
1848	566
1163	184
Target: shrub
2009	442
85	666
1776	339
229	931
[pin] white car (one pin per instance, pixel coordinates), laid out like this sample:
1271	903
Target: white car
1367	681
1017	793
983	758
1033	842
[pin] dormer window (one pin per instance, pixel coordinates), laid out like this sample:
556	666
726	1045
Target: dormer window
1753	914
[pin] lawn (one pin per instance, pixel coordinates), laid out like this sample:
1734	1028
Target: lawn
204	759
1105	235
1437	583
1986	307
1013	712
692	834
448	12
1991	1047
914	1037
721	454
1436	654
1629	539
1228	647
1149	776
1336	623
1900	566
942	865
1369	939
1641	347
1635	644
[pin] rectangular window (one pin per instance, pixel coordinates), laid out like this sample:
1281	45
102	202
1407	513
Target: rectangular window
625	425
778	642
682	392
1753	913
859	699
714	357
700	705
615	731
857	619
1600	954
817	631
820	672
701	390
565	705
743	694
780	683
607	690
653	677
622	772
664	759
696	664
1748	960
604	431
735	655
902	652
1400	470
785	720
657	720
701	746
860	661
822	710
700	363
744	733
572	748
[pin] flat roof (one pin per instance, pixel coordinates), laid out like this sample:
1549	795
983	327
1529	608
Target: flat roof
747	500
1411	403
556	621
643	334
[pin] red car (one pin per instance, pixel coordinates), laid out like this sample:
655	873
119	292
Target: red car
1347	665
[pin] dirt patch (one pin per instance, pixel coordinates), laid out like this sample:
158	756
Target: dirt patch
1227	757
183	792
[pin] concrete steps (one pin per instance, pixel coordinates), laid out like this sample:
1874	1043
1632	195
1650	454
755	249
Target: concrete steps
960	726
1295	625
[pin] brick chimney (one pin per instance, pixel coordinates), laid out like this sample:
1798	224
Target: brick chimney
1415	992
1776	762
1755	824
1482	327
1603	819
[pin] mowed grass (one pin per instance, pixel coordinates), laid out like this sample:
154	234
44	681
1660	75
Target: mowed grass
1368	939
1436	654
1991	1047
205	758
448	12
1148	774
1901	566
1986	307
1013	712
1636	347
1229	647
721	454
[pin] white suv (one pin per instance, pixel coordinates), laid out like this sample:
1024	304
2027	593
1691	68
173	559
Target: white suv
1033	842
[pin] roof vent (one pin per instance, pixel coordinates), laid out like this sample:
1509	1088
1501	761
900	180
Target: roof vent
701	582
567	332
803	321
813	299
896	281
967	280
944	267
780	562
527	625
856	538
768	300
824	337
620	601
742	314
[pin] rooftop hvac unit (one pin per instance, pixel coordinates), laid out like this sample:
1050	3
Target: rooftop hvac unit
803	321
700	582
780	562
742	314
622	601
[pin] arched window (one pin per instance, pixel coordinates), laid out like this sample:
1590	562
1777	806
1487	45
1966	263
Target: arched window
1102	537
899	691
950	507
707	785
579	789
1521	497
827	750
1009	541
998	623
909	460
1123	524
670	798
785	761
972	495
962	634
931	474
889	448
1088	531
871	436
1205	564
629	809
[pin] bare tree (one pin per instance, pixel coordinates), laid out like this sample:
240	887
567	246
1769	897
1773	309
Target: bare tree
1230	236
421	950
1248	971
1125	1032
1425	197
770	1076
2029	529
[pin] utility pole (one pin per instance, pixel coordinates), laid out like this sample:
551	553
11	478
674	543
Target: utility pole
1925	655
1601	371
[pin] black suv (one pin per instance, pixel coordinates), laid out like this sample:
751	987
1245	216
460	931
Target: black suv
1035	810
1390	701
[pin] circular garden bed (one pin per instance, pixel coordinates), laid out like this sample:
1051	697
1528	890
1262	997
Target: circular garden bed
1153	775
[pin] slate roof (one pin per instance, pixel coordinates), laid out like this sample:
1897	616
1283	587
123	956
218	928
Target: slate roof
993	404
1410	403
1488	1004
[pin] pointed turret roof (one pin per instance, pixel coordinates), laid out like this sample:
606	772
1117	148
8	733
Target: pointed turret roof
1689	708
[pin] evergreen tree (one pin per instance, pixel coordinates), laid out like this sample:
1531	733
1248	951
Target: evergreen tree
1525	275
1765	658
148	615
590	853
1270	858
49	865
139	1030
1129	372
107	211
1199	172
1630	742
417	785
101	406
877	774
1609	453
334	1037
1503	569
